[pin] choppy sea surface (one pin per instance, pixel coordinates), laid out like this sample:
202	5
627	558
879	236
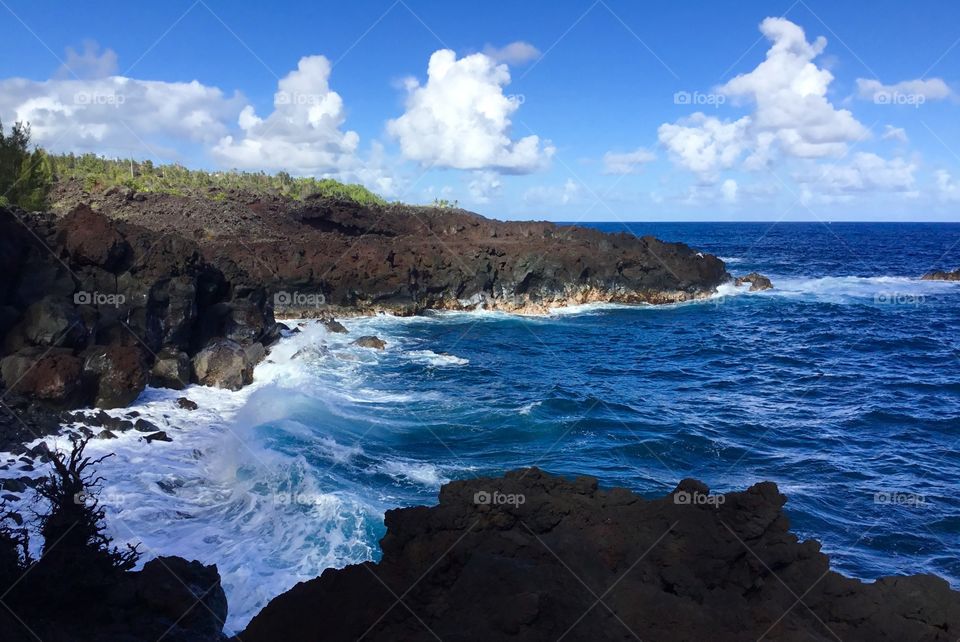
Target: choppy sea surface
842	385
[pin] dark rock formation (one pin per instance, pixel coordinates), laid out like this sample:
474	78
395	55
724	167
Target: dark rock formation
92	308
531	556
940	275
757	282
320	256
371	341
224	364
187	404
332	325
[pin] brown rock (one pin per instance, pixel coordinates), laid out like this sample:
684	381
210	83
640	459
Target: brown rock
116	373
939	275
757	282
371	342
223	364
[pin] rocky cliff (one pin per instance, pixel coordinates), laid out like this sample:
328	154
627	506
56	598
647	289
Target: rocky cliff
322	255
531	556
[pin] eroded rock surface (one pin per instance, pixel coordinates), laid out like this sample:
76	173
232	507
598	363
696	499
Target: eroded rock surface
531	556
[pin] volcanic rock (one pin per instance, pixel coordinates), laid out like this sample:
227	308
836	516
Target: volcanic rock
530	556
223	364
757	282
939	275
117	374
170	370
371	341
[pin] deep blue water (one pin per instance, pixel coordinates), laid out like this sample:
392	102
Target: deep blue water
841	385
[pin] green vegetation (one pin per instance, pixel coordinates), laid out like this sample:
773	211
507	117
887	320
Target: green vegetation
25	176
443	203
98	172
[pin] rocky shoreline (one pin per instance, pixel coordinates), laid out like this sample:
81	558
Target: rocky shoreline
114	291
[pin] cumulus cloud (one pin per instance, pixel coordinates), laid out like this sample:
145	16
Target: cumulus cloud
705	144
461	118
302	134
894	133
627	163
865	172
89	63
116	115
791	113
515	53
928	89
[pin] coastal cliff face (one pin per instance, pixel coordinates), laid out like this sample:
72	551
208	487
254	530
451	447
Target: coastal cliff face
322	256
531	556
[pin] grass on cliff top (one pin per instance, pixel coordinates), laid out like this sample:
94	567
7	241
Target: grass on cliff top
98	172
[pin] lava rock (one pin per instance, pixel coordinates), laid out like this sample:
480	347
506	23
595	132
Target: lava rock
757	282
170	370
187	404
157	436
223	364
531	556
370	341
92	239
940	275
332	325
116	373
53	376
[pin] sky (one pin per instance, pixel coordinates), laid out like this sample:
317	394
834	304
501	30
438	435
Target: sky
593	110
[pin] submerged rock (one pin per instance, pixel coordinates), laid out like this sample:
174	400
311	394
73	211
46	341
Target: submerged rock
531	556
187	404
371	341
757	282
332	325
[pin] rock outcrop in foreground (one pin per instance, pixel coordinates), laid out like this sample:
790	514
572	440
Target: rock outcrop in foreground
531	556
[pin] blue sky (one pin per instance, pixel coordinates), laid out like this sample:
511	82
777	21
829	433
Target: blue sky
568	111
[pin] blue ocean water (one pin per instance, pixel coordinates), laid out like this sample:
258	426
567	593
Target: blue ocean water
841	385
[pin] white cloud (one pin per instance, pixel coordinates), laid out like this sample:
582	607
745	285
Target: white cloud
792	115
553	195
948	189
729	190
928	89
705	144
461	118
116	115
894	133
302	134
90	63
626	163
515	53
484	186
865	173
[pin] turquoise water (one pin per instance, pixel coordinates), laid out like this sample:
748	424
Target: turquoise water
841	385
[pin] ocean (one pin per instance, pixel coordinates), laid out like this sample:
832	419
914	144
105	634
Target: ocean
841	385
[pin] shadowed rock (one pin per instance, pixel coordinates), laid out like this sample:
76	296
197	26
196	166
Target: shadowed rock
530	556
757	282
